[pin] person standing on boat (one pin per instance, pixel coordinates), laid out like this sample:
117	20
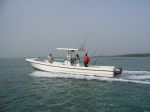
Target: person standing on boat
86	60
50	58
77	58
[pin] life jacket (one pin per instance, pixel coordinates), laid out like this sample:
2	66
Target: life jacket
86	59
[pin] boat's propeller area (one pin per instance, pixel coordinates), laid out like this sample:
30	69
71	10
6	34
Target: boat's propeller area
117	70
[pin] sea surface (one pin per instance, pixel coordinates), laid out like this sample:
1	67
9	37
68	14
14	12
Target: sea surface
24	90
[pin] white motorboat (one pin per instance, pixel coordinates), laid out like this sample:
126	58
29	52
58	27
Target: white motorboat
72	66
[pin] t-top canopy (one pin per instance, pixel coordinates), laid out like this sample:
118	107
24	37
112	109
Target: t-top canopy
68	49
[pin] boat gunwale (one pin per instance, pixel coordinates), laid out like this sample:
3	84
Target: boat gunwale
69	67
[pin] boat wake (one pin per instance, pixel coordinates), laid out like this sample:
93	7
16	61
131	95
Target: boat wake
141	77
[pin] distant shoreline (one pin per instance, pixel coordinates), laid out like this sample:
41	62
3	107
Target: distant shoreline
128	55
135	55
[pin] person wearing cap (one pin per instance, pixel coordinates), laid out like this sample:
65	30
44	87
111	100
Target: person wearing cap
77	58
50	58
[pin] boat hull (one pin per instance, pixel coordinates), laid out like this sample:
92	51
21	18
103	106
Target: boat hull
102	71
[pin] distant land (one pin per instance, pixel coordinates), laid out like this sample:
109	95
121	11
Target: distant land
129	55
135	55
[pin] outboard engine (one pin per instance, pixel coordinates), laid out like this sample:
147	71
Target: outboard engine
117	70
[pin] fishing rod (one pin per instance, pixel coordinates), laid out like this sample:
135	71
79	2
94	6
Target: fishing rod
95	51
96	59
94	54
100	44
84	43
90	47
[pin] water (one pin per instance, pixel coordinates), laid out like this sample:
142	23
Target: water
24	90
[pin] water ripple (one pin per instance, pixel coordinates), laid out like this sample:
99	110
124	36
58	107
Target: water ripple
141	77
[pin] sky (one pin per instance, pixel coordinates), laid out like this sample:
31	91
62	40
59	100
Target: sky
34	28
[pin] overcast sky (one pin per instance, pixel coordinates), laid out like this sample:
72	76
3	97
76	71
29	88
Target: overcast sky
36	27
